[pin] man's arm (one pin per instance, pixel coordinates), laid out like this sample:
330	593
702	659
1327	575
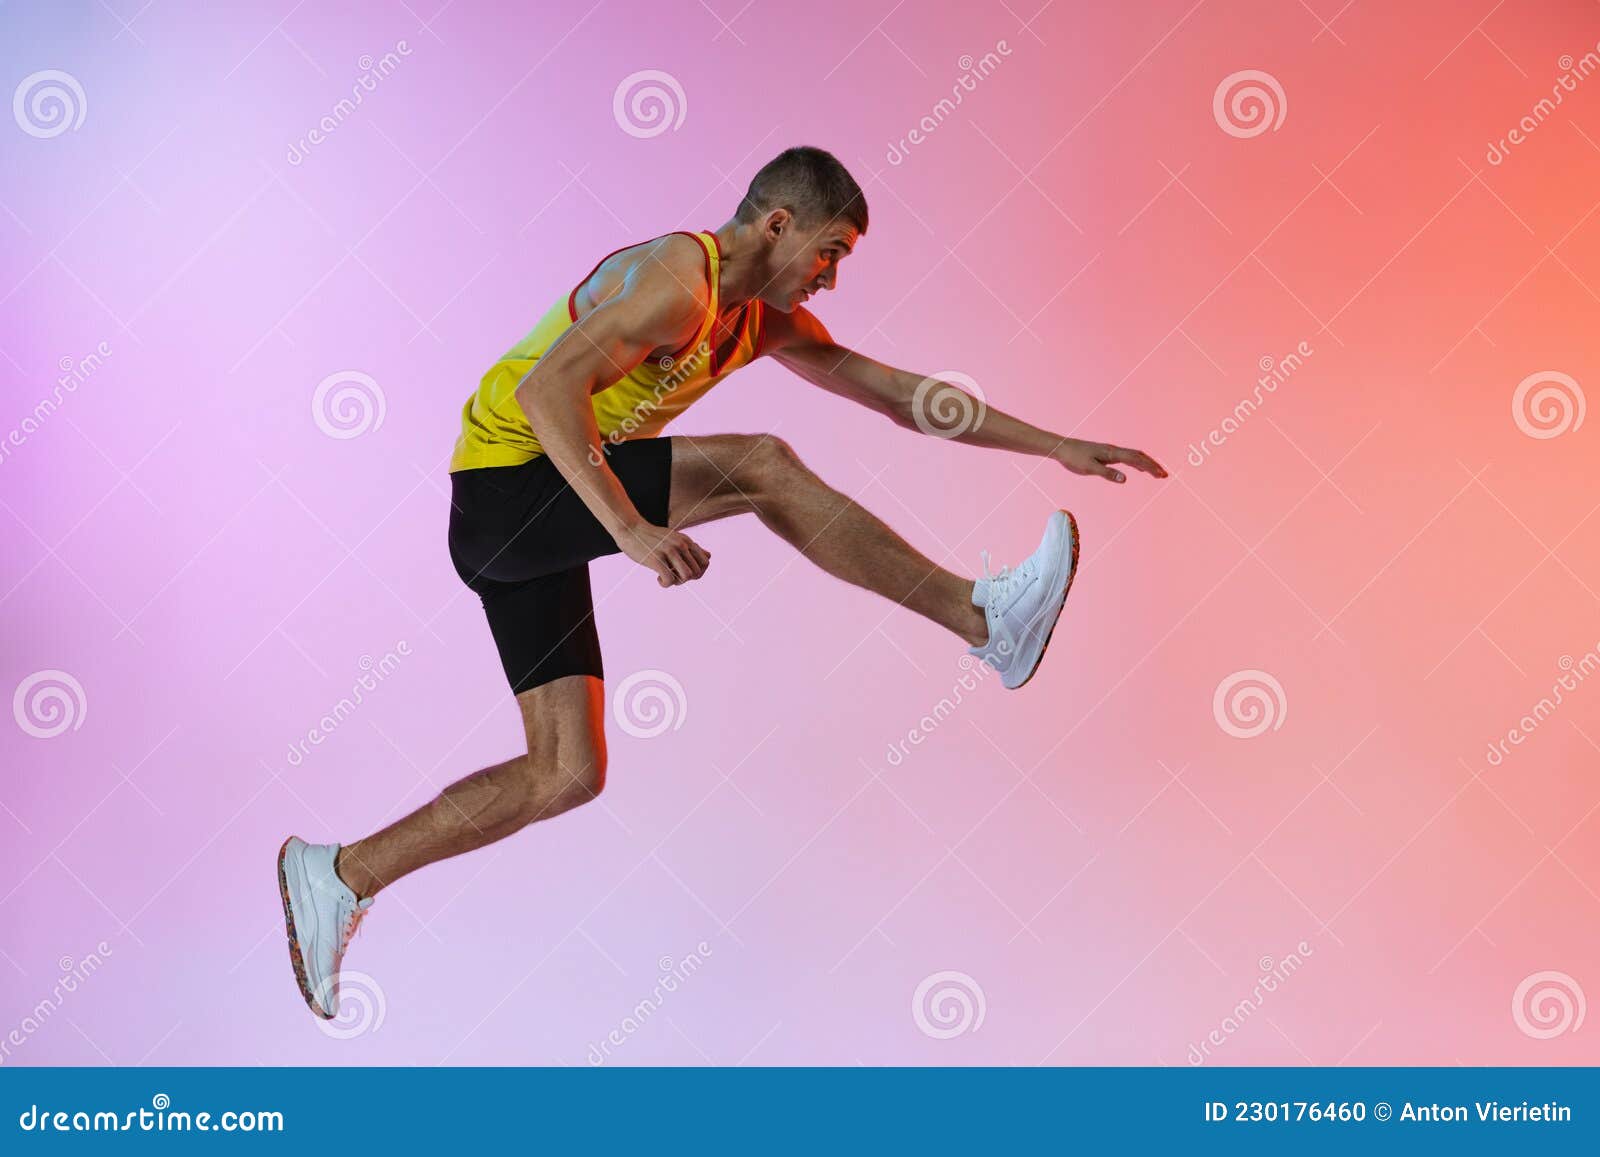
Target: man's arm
801	342
652	309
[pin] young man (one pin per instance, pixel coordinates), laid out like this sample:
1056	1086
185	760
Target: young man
559	462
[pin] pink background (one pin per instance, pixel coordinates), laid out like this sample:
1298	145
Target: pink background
1097	854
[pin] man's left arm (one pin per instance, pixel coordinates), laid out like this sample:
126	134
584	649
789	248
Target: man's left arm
933	406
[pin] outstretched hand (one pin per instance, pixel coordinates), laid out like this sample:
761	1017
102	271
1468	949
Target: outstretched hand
1082	457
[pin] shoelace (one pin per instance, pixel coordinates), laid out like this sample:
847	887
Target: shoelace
352	924
999	583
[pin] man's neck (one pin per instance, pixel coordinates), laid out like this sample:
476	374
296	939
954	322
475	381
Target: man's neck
742	276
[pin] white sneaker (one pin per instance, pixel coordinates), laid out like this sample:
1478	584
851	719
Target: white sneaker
321	913
1022	604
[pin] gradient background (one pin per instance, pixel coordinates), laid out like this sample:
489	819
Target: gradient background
1097	855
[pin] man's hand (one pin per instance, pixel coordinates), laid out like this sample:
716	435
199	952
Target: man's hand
1082	457
676	558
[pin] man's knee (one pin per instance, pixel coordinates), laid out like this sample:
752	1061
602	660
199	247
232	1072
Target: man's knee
549	785
565	763
769	464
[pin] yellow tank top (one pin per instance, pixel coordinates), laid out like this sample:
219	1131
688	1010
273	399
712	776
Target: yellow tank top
495	431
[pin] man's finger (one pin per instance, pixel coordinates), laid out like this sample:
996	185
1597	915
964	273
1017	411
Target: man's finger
1106	471
693	561
1138	459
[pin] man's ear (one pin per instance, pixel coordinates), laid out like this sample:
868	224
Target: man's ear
778	222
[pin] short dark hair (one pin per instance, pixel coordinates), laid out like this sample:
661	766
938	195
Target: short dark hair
811	184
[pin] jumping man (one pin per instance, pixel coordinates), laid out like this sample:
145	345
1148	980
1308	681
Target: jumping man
561	460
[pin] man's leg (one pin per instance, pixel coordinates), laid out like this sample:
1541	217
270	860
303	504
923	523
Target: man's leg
564	767
711	478
714	477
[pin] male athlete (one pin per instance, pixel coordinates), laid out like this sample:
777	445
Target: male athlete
560	461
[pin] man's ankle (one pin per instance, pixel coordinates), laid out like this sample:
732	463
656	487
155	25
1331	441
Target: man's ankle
978	627
346	868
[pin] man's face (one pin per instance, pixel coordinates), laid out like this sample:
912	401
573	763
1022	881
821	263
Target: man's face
805	258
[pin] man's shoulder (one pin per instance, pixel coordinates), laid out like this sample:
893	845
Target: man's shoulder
676	256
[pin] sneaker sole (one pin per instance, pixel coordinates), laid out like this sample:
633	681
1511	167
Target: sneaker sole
296	958
1055	617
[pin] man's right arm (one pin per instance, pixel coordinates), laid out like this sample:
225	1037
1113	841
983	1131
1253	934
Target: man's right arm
651	310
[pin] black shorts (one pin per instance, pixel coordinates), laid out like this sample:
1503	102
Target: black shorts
521	539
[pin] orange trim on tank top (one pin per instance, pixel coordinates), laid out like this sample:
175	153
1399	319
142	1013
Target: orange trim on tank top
744	313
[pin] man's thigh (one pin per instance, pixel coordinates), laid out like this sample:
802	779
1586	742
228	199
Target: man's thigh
513	523
714	476
543	627
564	720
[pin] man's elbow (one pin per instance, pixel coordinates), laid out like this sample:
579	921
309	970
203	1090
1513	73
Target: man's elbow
902	412
530	401
538	397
